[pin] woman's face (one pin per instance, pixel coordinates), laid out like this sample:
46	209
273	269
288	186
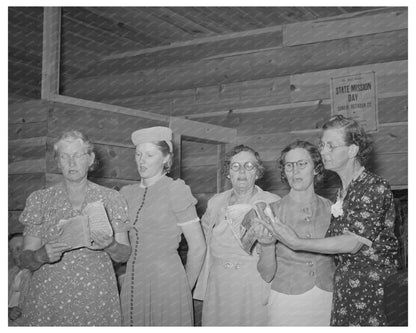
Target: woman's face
243	180
149	160
299	169
334	151
74	160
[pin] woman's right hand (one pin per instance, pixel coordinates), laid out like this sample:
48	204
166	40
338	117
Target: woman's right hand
282	232
55	250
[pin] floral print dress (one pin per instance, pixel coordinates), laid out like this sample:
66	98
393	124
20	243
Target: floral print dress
368	210
81	288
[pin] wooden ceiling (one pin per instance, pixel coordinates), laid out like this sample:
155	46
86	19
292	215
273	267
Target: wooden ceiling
100	41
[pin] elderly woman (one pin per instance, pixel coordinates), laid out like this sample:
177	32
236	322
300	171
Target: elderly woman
364	207
233	292
72	286
156	289
302	285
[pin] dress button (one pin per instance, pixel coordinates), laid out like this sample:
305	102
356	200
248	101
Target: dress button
308	235
309	263
312	273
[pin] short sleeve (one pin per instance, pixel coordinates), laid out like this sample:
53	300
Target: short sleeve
117	211
32	215
182	202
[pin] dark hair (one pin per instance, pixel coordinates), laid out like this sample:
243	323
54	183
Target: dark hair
15	234
313	151
73	135
238	149
353	134
165	150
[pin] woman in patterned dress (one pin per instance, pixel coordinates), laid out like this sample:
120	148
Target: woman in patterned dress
72	286
365	208
156	289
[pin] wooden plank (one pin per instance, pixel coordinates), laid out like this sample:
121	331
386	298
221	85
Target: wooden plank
28	166
354	51
107	107
20	186
343	27
391	77
22	149
27	130
99	126
201	179
203	131
176	168
32	111
51	51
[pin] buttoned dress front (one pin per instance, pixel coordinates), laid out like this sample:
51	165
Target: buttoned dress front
155	290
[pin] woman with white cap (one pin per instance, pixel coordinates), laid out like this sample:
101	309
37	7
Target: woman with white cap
157	288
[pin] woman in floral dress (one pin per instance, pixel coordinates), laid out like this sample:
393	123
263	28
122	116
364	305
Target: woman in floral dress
72	286
363	214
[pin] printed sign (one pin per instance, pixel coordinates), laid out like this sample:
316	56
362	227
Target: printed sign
354	96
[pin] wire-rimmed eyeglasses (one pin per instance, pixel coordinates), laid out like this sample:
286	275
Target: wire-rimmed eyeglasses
249	166
301	164
330	146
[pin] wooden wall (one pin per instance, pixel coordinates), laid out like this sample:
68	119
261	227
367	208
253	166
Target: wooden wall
271	96
276	95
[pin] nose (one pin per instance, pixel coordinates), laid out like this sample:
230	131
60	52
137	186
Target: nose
242	170
71	160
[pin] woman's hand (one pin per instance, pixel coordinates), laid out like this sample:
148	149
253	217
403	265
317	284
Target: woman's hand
101	240
14	313
263	236
282	233
55	250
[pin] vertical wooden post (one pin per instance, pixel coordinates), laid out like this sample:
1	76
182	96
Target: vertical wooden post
177	156
51	52
220	162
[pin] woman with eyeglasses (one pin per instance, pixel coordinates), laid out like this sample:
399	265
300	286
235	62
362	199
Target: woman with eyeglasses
301	287
73	284
233	291
361	232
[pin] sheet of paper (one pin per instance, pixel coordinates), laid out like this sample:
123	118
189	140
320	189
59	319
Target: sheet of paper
98	220
75	232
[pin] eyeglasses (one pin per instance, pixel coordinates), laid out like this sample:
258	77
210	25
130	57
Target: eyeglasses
331	147
76	157
249	166
301	164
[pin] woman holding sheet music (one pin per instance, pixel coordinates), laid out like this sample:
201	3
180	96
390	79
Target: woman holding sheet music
301	291
72	285
233	292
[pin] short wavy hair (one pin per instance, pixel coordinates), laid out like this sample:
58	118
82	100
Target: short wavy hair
238	149
314	153
73	135
353	134
165	150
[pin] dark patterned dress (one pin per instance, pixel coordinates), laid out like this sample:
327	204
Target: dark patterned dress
368	210
81	288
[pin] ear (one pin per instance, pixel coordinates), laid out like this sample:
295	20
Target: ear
92	159
353	150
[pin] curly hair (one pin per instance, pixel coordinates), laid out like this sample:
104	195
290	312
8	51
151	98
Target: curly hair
314	153
353	134
73	135
238	149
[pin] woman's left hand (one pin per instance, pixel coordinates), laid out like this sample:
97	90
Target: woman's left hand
101	240
263	235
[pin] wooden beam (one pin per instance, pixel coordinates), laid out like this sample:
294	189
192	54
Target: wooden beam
177	156
207	132
51	52
108	107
